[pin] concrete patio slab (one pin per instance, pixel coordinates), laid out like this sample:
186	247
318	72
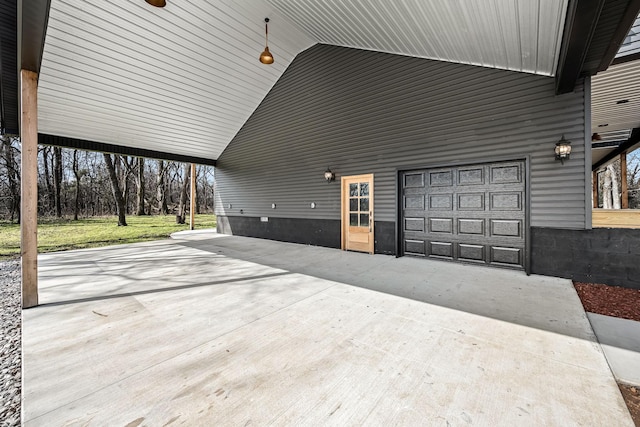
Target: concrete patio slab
219	330
620	340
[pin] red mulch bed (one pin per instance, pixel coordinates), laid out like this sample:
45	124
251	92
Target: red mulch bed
631	396
609	300
617	302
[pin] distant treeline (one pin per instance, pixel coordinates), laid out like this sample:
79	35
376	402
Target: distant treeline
77	183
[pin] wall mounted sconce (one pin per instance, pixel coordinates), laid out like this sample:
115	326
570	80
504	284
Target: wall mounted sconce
266	57
329	176
273	205
563	150
313	205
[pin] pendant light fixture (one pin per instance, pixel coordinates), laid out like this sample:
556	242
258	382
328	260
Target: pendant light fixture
266	57
157	3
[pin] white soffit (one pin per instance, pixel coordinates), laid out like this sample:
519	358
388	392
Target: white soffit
631	43
618	83
182	79
517	35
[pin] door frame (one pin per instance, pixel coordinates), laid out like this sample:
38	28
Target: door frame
495	159
344	209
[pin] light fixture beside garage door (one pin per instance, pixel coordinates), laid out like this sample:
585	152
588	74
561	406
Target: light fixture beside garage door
563	150
266	57
329	176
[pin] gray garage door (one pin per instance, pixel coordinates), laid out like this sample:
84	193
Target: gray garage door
471	213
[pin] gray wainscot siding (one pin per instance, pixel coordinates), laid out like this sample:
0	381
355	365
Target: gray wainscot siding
359	112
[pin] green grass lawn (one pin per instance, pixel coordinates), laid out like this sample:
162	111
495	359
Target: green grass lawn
61	235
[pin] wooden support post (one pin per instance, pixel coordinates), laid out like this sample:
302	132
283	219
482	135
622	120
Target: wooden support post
29	187
192	213
624	199
594	187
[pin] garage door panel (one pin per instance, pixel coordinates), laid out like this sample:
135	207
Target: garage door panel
471	226
414	201
471	202
504	174
441	225
441	178
473	213
471	176
414	224
506	228
469	252
441	202
506	255
413	180
414	247
441	249
506	201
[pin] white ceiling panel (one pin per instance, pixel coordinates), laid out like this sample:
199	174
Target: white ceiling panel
609	91
182	79
631	43
518	35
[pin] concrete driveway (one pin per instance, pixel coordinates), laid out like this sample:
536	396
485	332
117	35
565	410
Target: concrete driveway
206	329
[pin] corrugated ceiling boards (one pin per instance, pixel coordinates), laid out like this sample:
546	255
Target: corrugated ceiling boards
180	79
615	101
517	35
185	78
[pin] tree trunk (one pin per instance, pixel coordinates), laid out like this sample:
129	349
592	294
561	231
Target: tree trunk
13	175
47	179
161	189
115	186
140	193
76	173
195	192
57	179
606	190
615	188
182	207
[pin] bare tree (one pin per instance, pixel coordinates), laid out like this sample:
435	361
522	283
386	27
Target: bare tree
57	179
161	189
117	193
11	167
140	190
47	179
78	175
182	207
615	187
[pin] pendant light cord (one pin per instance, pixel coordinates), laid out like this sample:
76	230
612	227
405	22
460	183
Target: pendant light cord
266	31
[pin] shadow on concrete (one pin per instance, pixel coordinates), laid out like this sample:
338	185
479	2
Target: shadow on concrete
164	289
541	302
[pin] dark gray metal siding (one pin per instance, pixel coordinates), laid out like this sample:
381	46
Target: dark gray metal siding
367	112
9	66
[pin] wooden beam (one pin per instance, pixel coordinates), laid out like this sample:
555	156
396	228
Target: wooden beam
580	25
628	145
192	212
29	187
625	24
616	218
624	199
